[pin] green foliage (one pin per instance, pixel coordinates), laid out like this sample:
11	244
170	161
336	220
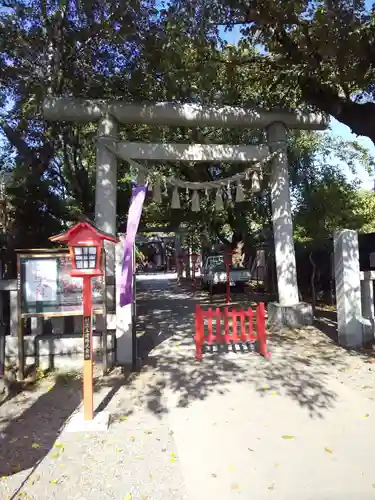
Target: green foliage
316	54
366	207
328	202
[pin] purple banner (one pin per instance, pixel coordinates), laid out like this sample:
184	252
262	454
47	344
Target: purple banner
134	216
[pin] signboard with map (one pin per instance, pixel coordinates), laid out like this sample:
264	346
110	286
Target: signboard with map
46	288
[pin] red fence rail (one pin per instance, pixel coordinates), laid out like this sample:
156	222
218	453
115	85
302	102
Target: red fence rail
219	329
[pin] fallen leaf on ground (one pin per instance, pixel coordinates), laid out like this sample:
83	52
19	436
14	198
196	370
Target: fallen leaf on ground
53	481
132	438
266	388
327	450
172	459
366	415
58	445
35	445
274	393
140	457
128	496
287	436
118	450
123	418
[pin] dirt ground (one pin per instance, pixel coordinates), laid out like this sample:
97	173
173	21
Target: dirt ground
299	426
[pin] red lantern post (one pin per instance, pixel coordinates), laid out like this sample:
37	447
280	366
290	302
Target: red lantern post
228	263
85	244
194	260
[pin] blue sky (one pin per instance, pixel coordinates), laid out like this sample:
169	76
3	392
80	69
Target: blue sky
341	130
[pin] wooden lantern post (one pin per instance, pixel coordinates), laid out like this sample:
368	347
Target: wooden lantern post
85	244
228	263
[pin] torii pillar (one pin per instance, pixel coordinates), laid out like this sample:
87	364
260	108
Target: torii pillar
288	310
106	207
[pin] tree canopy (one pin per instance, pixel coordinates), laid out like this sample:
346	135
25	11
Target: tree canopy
317	54
132	50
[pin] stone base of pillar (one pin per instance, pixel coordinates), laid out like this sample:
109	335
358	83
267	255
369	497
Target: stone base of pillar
357	333
295	316
368	330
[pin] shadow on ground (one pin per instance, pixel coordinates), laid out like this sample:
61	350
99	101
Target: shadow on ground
27	438
300	368
326	322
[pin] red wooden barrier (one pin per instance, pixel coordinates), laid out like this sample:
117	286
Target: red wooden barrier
242	323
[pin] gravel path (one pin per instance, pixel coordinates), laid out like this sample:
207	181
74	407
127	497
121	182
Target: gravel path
234	426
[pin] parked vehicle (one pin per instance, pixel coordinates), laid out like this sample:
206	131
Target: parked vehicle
214	274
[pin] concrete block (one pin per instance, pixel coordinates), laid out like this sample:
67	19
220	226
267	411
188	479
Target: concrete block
348	288
367	331
57	352
295	316
77	423
367	299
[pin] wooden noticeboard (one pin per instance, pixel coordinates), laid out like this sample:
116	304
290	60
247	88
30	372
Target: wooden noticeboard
46	289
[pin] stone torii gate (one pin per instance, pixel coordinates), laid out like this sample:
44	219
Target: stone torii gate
110	113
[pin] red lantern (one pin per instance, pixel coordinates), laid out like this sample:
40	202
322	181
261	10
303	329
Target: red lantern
85	244
194	258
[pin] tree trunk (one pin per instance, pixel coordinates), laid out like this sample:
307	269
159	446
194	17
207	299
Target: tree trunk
312	281
358	117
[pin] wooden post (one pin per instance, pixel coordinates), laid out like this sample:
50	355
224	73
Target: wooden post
88	396
21	347
228	283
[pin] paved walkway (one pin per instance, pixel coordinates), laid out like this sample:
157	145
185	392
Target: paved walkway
234	426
